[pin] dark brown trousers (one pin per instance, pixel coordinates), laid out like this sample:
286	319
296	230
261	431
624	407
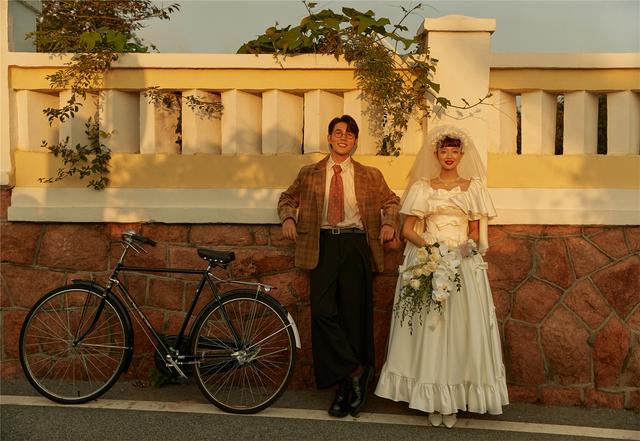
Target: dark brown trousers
341	307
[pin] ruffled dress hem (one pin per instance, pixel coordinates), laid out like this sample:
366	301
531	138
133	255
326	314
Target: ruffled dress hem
444	398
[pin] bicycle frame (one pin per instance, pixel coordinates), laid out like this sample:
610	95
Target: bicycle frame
170	354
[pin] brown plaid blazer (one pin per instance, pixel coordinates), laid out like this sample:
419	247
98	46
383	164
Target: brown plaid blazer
304	200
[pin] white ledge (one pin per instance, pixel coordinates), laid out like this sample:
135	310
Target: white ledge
188	61
525	60
459	23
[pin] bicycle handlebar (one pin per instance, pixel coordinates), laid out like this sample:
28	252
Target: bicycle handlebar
138	237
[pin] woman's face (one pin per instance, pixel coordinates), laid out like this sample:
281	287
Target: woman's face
449	156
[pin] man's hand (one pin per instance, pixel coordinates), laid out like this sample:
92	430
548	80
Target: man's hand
289	229
386	233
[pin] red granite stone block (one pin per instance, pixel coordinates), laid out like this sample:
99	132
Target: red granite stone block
186	258
221	235
633	238
154	257
592	230
534	300
586	258
11	325
74	246
586	301
612	242
291	287
561	230
166	232
260	234
553	262
501	302
114	231
10	369
257	261
142	344
5	201
566	348
393	258
381	328
166	293
497	234
634	321
619	284
510	262
277	239
137	285
633	400
523	357
523	230
384	292
5	298
596	398
561	396
27	285
610	349
523	394
18	241
631	373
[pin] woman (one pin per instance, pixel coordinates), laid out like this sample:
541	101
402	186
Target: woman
449	359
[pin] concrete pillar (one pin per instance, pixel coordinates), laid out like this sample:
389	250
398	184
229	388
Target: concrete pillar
463	47
6	121
503	128
355	106
282	122
201	132
320	108
623	123
580	133
120	117
75	128
414	137
241	123
539	123
30	121
158	127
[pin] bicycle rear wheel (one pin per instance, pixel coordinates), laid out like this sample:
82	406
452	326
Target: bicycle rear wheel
245	352
60	364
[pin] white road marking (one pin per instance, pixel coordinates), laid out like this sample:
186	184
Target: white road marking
321	415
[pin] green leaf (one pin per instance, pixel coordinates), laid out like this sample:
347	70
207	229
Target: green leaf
89	39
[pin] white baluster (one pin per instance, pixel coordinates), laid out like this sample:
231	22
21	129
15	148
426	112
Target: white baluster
539	122
282	122
241	123
201	132
320	108
32	124
623	123
120	117
580	134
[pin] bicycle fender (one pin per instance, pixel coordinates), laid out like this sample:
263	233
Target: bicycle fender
121	308
274	302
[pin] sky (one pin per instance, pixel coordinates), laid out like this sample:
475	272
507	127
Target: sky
214	26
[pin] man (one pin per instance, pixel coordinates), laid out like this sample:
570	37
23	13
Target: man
333	212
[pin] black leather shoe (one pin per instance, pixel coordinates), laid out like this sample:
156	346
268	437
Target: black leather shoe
359	387
340	406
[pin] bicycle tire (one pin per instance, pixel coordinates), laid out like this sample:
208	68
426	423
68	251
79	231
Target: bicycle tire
71	373
248	374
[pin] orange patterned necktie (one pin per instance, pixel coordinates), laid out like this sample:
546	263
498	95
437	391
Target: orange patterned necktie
335	209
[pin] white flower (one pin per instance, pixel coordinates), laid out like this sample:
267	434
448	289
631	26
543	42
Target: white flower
440	295
415	284
431	267
422	255
442	284
406	277
444	249
452	260
434	256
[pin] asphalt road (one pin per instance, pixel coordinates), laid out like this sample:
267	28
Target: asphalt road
180	413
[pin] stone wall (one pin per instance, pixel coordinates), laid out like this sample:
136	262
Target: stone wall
567	297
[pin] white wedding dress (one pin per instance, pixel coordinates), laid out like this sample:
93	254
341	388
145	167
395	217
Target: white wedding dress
453	361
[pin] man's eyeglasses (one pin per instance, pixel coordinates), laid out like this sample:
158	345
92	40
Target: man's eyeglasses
341	134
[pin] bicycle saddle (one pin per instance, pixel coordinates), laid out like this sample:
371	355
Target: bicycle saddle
219	257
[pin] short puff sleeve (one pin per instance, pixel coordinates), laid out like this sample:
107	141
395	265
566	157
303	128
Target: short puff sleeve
477	201
416	200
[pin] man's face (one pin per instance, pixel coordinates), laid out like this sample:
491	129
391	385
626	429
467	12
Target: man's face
342	142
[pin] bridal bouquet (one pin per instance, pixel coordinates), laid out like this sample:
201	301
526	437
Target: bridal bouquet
431	280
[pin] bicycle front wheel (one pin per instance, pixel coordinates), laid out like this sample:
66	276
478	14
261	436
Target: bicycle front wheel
245	352
63	361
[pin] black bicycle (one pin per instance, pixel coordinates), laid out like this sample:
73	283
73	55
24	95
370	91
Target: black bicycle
77	339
